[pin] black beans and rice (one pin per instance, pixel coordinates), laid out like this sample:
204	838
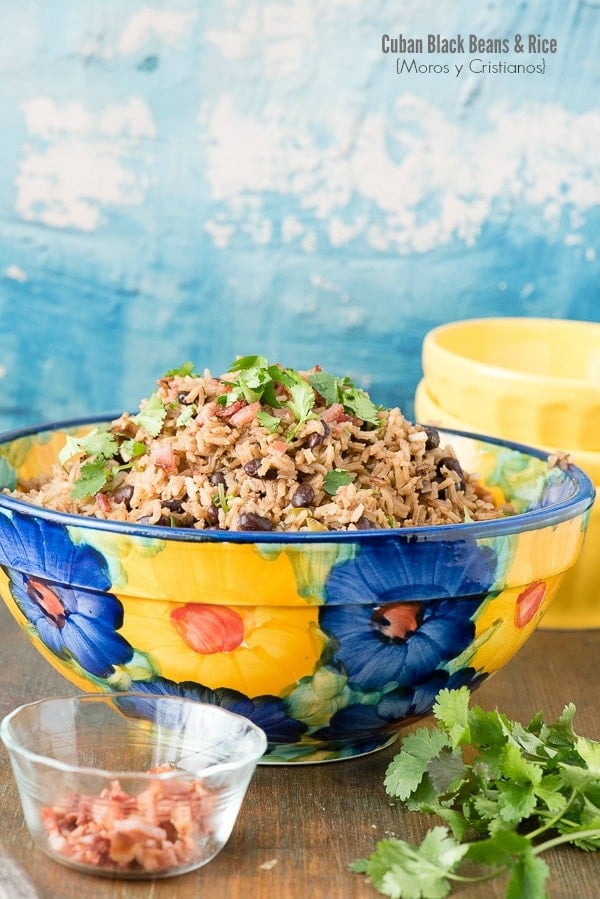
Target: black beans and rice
263	448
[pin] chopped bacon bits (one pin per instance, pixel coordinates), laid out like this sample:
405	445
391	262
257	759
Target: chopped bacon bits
164	457
103	502
245	415
335	414
164	826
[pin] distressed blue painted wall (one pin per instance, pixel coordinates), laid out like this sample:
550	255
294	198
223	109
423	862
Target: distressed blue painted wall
183	180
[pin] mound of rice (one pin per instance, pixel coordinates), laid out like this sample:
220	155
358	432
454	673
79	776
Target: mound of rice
263	448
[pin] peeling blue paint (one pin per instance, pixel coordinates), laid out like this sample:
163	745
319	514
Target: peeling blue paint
183	180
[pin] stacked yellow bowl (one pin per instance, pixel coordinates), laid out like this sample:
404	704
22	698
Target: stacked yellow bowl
534	381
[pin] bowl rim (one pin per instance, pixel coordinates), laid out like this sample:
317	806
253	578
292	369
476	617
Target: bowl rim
497	374
545	516
13	745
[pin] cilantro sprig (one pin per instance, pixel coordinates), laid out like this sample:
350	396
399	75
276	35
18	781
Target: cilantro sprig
258	380
505	793
152	415
100	445
106	457
341	390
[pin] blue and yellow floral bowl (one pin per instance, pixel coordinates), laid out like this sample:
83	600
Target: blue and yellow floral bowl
329	641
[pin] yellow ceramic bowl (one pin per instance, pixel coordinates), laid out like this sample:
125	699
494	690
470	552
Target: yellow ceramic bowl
533	380
577	603
428	411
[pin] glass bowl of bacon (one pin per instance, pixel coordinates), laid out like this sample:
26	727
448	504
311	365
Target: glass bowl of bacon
131	785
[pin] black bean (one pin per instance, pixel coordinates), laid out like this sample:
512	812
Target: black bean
212	515
216	478
163	521
303	496
251	468
173	505
315	439
250	521
183	399
433	438
364	523
123	494
451	464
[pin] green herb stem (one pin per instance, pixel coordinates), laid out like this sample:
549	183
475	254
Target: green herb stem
460	878
571	837
559	816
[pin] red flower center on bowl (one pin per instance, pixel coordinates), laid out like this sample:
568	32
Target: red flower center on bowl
207	629
50	604
529	602
397	621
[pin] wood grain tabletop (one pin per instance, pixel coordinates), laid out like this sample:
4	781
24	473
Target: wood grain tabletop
301	826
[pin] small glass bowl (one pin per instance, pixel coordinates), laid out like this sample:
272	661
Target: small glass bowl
131	785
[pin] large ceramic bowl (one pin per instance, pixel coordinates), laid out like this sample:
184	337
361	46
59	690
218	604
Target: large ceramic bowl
530	379
328	641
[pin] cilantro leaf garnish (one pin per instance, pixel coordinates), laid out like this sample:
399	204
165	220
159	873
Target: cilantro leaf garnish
152	415
258	380
327	385
510	787
186	369
97	442
254	382
358	402
185	416
341	390
243	363
302	401
131	449
336	478
93	476
270	422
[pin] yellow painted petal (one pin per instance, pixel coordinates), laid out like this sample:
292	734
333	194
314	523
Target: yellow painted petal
280	646
499	621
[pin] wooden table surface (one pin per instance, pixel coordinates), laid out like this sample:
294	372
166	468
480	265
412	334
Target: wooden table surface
301	826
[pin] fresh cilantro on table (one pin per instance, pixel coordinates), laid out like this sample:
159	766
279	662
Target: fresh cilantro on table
505	792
